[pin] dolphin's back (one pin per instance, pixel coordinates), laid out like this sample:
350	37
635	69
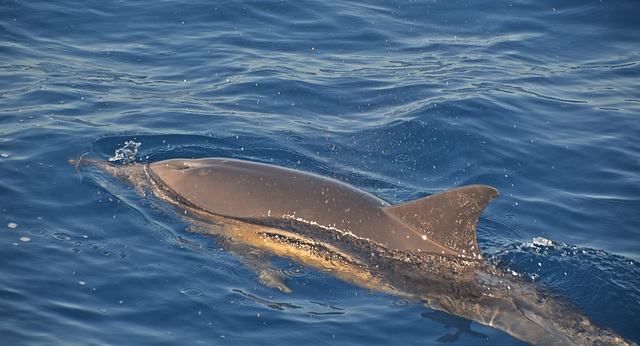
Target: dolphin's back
256	191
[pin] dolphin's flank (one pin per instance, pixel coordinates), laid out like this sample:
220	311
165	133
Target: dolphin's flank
426	249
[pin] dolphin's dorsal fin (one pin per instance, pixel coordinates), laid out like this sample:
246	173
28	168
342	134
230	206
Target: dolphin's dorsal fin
449	218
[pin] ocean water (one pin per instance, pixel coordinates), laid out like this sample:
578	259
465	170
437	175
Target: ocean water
403	99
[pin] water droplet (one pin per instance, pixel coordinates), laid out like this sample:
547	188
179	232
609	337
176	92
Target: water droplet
295	271
38	231
191	292
61	236
331	147
295	138
96	246
402	157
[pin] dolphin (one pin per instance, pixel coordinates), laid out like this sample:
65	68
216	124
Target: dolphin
424	249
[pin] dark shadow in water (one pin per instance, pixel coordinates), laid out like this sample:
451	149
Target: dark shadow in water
337	310
449	321
273	305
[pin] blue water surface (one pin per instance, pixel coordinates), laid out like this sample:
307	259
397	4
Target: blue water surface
404	99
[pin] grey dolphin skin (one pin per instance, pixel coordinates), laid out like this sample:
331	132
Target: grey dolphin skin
424	249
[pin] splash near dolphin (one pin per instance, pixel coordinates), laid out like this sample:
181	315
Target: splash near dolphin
424	249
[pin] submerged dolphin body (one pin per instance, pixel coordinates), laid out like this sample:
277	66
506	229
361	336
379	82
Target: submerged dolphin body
425	249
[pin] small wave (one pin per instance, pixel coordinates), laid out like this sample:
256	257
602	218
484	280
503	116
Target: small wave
538	241
127	153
